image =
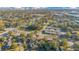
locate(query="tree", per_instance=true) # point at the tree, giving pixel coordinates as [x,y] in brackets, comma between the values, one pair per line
[2,24]
[65,44]
[78,33]
[68,34]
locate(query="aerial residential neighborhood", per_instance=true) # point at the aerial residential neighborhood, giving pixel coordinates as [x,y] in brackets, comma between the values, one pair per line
[39,29]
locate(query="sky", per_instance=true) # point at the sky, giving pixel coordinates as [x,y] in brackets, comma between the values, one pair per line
[39,3]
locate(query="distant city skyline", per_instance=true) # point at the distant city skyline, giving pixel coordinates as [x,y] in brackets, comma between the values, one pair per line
[39,8]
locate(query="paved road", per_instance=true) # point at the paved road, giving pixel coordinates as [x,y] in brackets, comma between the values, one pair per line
[7,30]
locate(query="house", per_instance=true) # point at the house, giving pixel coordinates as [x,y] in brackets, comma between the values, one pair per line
[50,30]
